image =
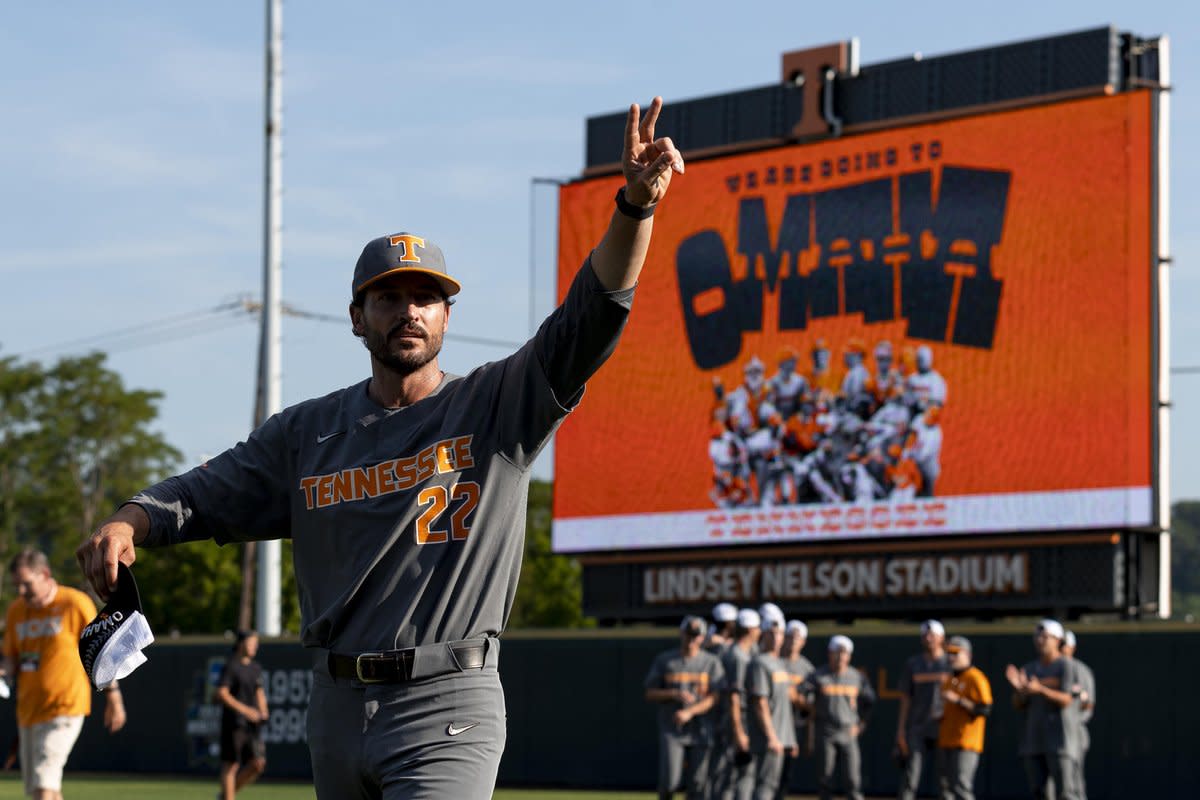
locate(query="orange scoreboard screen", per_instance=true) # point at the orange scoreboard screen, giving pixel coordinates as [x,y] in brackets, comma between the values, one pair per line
[938,329]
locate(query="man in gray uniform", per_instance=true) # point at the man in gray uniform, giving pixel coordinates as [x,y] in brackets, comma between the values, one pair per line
[772,727]
[733,778]
[404,496]
[1046,691]
[684,683]
[840,699]
[799,668]
[921,707]
[1086,706]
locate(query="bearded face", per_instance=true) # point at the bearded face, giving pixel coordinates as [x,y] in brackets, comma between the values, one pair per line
[402,322]
[403,347]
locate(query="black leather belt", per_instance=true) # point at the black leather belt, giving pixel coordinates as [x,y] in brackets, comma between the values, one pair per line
[396,666]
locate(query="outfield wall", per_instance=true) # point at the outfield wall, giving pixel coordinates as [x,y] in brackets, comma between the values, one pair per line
[577,718]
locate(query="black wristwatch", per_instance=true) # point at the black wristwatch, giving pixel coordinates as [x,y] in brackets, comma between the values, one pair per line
[632,211]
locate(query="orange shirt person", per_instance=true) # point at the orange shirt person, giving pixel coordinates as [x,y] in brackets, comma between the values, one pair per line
[967,702]
[41,653]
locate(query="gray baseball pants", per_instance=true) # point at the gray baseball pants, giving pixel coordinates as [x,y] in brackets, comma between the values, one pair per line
[682,764]
[1081,779]
[791,765]
[920,752]
[1053,769]
[768,768]
[422,740]
[830,751]
[956,773]
[734,779]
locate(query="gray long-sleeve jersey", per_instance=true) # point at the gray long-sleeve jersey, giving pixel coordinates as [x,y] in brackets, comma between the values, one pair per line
[840,701]
[408,524]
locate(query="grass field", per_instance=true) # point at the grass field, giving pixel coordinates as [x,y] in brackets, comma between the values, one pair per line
[97,787]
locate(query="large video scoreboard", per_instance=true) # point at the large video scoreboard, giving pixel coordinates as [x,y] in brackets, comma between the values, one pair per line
[914,366]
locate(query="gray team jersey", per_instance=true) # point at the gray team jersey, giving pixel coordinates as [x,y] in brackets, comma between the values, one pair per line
[1086,683]
[799,668]
[1049,729]
[702,674]
[408,524]
[769,678]
[921,681]
[839,701]
[1087,688]
[736,663]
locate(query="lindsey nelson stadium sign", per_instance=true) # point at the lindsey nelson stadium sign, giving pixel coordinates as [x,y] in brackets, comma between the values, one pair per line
[1078,571]
[959,575]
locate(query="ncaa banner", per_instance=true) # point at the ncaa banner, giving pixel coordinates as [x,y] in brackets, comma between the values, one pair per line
[939,329]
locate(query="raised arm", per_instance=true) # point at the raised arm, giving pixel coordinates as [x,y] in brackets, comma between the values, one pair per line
[647,164]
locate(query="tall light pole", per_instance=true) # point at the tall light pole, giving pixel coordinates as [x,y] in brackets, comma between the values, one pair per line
[267,615]
[533,184]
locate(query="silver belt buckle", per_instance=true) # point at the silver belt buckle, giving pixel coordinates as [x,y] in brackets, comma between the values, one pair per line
[358,667]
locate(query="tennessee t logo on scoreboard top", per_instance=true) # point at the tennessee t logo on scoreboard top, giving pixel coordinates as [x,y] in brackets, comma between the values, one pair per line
[883,248]
[408,244]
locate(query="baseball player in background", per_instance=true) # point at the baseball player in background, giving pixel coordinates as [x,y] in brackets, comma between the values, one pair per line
[769,611]
[41,653]
[967,703]
[733,778]
[1046,691]
[921,707]
[243,713]
[840,699]
[772,727]
[404,496]
[684,683]
[799,668]
[721,632]
[1087,705]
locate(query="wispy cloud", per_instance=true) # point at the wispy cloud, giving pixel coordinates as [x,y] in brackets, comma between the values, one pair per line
[520,68]
[103,255]
[207,73]
[123,157]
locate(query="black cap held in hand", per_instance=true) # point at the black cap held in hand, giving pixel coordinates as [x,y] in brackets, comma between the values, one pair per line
[121,605]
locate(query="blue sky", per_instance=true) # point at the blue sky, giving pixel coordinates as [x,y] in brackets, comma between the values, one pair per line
[131,152]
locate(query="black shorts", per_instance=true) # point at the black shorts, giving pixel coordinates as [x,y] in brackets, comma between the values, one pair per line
[242,745]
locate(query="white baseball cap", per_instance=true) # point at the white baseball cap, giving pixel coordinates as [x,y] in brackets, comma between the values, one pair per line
[772,615]
[724,612]
[1052,627]
[932,625]
[1069,638]
[841,642]
[797,628]
[693,624]
[748,618]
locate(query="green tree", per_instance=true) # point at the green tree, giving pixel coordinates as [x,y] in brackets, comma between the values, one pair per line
[550,592]
[196,588]
[17,385]
[74,444]
[91,448]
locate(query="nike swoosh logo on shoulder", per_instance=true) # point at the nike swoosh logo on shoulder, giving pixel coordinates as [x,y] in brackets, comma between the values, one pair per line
[324,437]
[454,730]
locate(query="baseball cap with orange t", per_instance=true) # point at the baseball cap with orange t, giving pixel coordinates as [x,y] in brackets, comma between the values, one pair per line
[401,254]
